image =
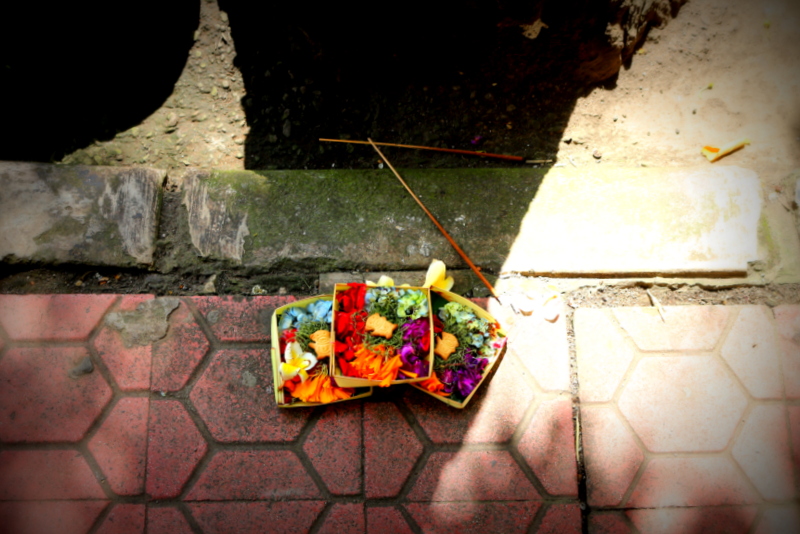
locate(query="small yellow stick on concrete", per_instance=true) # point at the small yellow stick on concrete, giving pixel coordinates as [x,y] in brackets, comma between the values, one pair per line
[657,305]
[713,153]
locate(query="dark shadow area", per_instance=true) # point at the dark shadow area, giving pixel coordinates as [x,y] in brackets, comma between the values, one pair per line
[457,74]
[74,72]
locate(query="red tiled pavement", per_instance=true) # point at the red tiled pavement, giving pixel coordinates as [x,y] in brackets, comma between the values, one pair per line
[608,523]
[690,424]
[561,519]
[260,475]
[491,417]
[283,517]
[174,448]
[124,519]
[240,319]
[382,519]
[52,317]
[184,436]
[38,474]
[733,519]
[390,450]
[788,323]
[39,517]
[334,448]
[546,448]
[39,402]
[477,518]
[472,476]
[166,520]
[344,518]
[119,447]
[176,356]
[235,399]
[130,366]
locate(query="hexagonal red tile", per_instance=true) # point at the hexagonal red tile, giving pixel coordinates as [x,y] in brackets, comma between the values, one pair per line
[334,448]
[166,520]
[790,365]
[52,317]
[762,451]
[381,519]
[794,429]
[472,476]
[344,518]
[238,318]
[787,316]
[611,455]
[733,519]
[283,517]
[235,398]
[751,349]
[548,446]
[124,519]
[697,481]
[36,517]
[130,366]
[174,448]
[491,416]
[682,403]
[120,446]
[474,518]
[561,519]
[253,475]
[695,328]
[40,402]
[603,354]
[542,348]
[40,475]
[779,519]
[390,450]
[176,356]
[609,523]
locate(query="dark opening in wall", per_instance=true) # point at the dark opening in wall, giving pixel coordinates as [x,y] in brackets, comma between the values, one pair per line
[495,75]
[73,72]
[457,74]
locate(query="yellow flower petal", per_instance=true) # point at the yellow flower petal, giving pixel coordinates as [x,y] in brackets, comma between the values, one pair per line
[446,284]
[436,276]
[382,281]
[385,281]
[297,362]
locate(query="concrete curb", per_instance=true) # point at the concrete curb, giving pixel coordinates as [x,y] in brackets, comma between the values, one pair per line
[704,223]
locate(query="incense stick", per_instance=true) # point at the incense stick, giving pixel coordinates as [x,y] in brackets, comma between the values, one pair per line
[439,226]
[418,147]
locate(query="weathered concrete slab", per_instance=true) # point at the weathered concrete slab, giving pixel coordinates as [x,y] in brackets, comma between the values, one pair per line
[339,220]
[78,214]
[626,221]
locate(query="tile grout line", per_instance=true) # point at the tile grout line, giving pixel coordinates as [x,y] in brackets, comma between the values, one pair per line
[583,499]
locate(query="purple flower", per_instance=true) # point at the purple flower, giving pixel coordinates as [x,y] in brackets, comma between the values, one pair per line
[416,329]
[412,361]
[465,377]
[467,380]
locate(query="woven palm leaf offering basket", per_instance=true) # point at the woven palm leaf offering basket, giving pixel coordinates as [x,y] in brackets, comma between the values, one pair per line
[468,344]
[301,356]
[382,334]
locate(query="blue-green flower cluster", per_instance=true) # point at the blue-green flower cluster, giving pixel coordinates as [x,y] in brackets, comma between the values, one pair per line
[396,303]
[468,327]
[320,311]
[411,304]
